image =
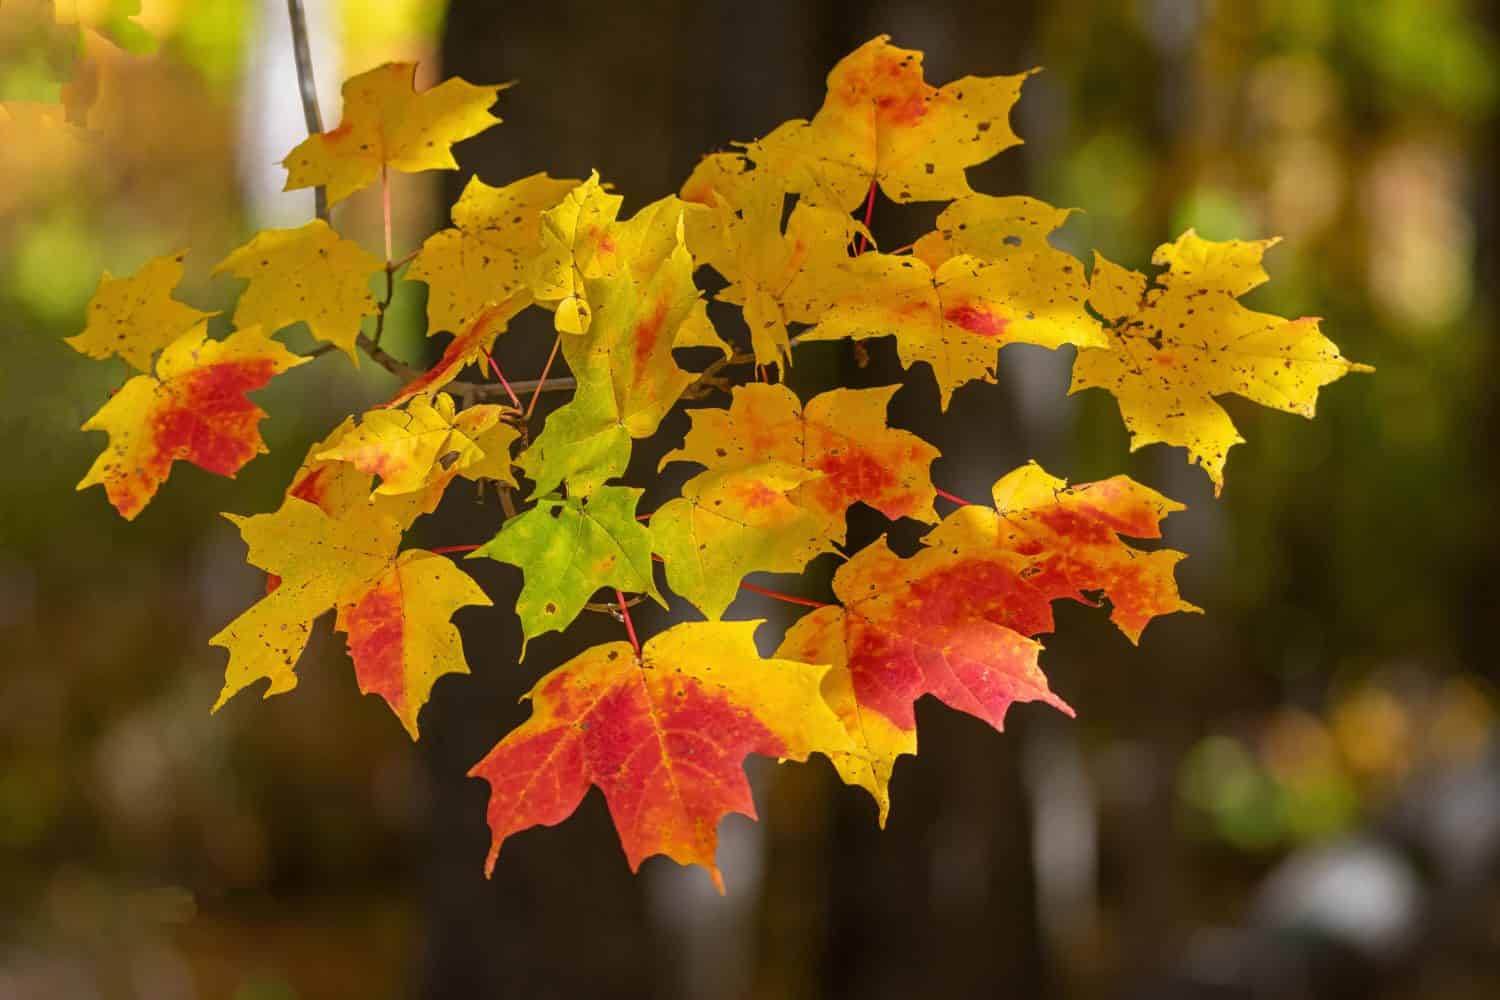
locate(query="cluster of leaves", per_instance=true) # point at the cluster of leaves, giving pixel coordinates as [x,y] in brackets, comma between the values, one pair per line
[662,726]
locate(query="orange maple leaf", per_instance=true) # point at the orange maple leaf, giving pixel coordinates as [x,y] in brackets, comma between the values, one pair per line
[955,620]
[662,733]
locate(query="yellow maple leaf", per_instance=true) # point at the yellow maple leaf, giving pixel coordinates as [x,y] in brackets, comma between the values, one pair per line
[410,447]
[730,523]
[487,255]
[334,487]
[575,245]
[400,630]
[386,123]
[310,274]
[582,240]
[841,438]
[1172,348]
[135,317]
[883,123]
[320,561]
[194,409]
[337,472]
[955,317]
[493,431]
[776,277]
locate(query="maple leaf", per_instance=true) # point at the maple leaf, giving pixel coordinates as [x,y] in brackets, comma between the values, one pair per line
[662,735]
[840,435]
[320,561]
[401,637]
[386,124]
[469,347]
[883,123]
[955,620]
[491,429]
[336,488]
[776,277]
[574,236]
[1045,540]
[1042,290]
[337,473]
[193,409]
[954,318]
[408,448]
[486,258]
[730,523]
[310,274]
[395,609]
[135,317]
[479,448]
[581,240]
[627,379]
[895,640]
[583,443]
[567,549]
[1174,347]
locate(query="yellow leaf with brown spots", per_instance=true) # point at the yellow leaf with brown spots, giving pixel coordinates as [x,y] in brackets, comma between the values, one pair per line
[576,244]
[135,317]
[954,318]
[409,448]
[627,379]
[386,124]
[306,275]
[487,256]
[728,524]
[776,277]
[1175,346]
[334,487]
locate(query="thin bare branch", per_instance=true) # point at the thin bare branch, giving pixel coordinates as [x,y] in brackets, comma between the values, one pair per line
[302,53]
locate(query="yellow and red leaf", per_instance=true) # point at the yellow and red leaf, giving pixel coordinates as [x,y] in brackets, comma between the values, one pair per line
[883,123]
[840,437]
[662,734]
[956,619]
[401,637]
[194,410]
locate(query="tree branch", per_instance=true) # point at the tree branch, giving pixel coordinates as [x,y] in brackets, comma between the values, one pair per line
[469,392]
[302,54]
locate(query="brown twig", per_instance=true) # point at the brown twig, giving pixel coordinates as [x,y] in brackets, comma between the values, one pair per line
[302,54]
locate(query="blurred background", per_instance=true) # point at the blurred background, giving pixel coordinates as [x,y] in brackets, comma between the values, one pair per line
[1296,794]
